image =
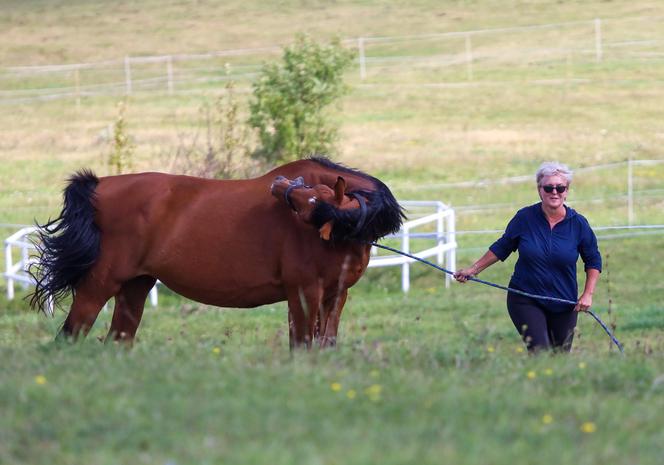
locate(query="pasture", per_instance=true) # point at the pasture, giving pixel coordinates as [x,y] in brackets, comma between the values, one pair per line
[434,376]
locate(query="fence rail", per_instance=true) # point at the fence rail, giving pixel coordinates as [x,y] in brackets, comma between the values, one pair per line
[24,241]
[444,236]
[592,41]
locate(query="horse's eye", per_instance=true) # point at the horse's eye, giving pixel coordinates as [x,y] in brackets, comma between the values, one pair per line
[312,200]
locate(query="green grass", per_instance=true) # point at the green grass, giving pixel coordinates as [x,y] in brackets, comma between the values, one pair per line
[435,376]
[438,374]
[424,378]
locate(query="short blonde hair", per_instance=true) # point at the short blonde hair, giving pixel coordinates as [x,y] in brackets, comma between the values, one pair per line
[552,168]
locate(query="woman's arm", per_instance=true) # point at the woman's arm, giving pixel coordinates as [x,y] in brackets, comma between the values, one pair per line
[488,259]
[586,299]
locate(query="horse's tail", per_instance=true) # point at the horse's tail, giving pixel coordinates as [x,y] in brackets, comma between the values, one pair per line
[69,245]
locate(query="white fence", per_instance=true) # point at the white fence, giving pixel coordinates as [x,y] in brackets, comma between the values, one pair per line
[628,194]
[444,236]
[18,271]
[593,40]
[23,241]
[20,246]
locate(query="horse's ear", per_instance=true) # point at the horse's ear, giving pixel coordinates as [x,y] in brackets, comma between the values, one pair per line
[339,190]
[326,230]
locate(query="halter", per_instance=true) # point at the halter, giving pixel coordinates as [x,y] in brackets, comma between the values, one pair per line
[297,183]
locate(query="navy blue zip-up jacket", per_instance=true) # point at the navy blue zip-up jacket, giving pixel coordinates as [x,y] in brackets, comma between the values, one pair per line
[547,257]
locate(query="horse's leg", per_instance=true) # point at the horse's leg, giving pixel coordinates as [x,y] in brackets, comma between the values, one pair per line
[129,304]
[332,308]
[303,307]
[89,298]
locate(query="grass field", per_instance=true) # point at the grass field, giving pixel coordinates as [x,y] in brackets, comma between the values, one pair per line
[435,376]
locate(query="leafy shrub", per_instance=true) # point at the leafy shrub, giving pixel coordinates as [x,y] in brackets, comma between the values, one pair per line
[290,99]
[121,157]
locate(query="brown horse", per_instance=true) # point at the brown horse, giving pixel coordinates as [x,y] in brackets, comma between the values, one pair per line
[299,233]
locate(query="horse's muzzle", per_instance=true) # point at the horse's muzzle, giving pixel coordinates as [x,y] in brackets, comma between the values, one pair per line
[278,180]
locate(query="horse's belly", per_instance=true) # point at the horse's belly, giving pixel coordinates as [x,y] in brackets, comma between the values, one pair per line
[224,295]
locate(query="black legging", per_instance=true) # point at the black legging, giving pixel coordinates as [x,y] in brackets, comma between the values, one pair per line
[540,328]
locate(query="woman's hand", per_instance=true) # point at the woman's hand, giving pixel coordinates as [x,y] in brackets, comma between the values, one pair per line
[464,274]
[584,303]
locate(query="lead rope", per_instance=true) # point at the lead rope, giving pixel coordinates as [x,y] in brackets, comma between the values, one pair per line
[534,296]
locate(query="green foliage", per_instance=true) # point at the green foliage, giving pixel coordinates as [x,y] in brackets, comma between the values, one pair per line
[122,154]
[290,99]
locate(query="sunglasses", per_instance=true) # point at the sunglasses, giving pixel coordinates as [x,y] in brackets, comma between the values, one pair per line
[560,188]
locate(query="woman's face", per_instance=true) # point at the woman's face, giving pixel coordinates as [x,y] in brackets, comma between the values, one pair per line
[553,199]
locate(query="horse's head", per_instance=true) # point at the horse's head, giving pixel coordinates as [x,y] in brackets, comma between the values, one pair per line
[304,199]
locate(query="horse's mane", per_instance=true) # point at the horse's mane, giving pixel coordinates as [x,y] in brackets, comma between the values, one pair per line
[383,214]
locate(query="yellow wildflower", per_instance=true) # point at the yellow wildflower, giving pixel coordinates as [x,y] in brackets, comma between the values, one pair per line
[547,419]
[351,394]
[374,389]
[588,427]
[216,350]
[490,349]
[548,372]
[336,387]
[519,350]
[40,379]
[532,374]
[582,365]
[373,392]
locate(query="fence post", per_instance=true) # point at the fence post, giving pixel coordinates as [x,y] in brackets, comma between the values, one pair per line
[405,268]
[469,58]
[451,239]
[8,267]
[598,40]
[363,60]
[25,262]
[154,298]
[169,74]
[77,83]
[630,192]
[440,230]
[127,70]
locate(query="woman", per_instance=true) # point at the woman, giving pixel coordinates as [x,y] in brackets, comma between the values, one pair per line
[549,236]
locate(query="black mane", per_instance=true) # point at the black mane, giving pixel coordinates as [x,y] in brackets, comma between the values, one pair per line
[384,215]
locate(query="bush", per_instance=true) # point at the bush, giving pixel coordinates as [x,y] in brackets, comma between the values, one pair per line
[121,158]
[290,99]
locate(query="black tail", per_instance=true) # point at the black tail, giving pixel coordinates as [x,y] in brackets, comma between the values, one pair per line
[69,244]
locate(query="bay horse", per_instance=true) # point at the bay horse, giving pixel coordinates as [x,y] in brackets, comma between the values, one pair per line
[299,233]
